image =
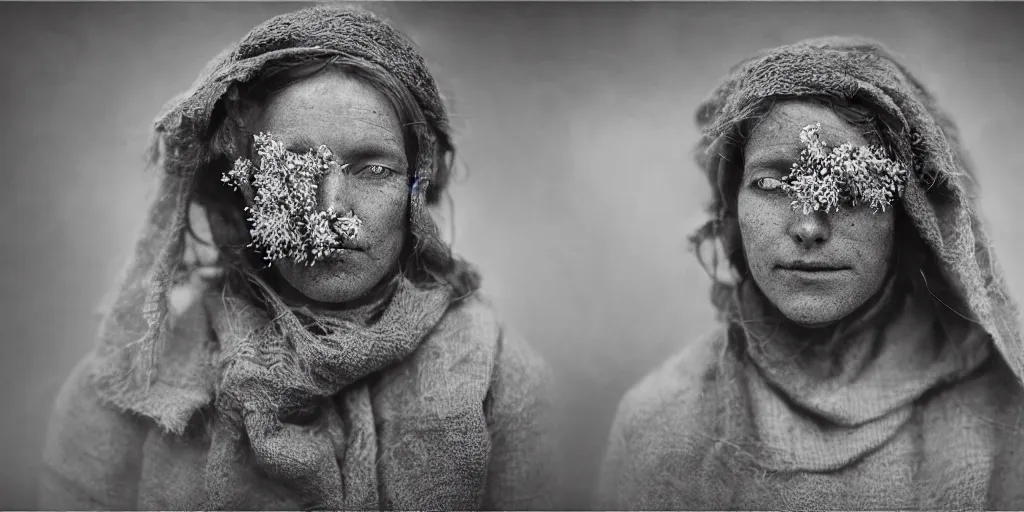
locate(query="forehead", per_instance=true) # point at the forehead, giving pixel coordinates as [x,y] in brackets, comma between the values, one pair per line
[777,135]
[333,108]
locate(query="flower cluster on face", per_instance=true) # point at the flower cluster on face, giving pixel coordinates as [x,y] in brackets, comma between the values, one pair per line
[284,218]
[822,179]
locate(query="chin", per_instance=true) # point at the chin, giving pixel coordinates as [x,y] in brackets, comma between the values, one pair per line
[328,295]
[325,283]
[810,318]
[813,310]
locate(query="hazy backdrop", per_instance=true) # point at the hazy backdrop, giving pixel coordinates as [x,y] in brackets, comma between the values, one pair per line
[575,128]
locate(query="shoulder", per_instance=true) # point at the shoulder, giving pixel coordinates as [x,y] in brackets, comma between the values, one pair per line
[472,324]
[186,375]
[92,452]
[464,342]
[81,403]
[87,436]
[470,321]
[471,355]
[522,380]
[666,427]
[677,391]
[466,335]
[513,368]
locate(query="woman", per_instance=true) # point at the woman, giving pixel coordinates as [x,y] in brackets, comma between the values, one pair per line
[339,357]
[869,357]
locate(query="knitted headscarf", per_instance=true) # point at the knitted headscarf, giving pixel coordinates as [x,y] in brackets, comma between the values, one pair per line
[136,326]
[270,361]
[899,405]
[938,198]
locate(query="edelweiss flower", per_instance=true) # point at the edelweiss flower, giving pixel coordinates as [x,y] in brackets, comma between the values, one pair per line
[822,179]
[285,220]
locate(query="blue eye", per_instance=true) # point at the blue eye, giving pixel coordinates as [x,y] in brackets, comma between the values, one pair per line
[768,184]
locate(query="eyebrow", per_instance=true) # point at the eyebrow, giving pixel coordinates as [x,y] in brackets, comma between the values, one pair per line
[371,149]
[362,149]
[772,161]
[300,144]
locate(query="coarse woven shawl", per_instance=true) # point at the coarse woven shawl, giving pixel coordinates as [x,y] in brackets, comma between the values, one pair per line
[693,433]
[939,201]
[269,364]
[938,197]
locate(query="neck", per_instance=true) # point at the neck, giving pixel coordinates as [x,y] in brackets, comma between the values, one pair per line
[362,308]
[871,363]
[821,349]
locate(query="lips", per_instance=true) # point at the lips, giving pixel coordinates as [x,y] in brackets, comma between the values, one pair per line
[341,253]
[812,266]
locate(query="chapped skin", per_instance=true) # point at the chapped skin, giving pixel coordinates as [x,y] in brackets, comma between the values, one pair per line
[361,128]
[856,241]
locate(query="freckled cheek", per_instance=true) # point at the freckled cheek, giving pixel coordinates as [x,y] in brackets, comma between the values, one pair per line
[761,228]
[872,235]
[383,213]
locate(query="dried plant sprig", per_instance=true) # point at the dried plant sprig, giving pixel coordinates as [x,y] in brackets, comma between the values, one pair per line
[285,220]
[823,180]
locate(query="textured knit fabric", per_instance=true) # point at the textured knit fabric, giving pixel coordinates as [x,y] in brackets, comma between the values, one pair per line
[238,400]
[908,403]
[459,424]
[267,376]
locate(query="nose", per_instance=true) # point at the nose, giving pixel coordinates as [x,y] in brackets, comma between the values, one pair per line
[811,229]
[334,192]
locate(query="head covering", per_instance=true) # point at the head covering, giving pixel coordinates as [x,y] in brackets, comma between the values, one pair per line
[270,363]
[898,406]
[137,325]
[939,196]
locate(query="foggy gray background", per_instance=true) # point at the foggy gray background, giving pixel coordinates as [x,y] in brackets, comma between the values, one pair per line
[577,191]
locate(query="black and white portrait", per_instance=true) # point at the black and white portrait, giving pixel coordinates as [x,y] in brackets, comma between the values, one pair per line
[513,255]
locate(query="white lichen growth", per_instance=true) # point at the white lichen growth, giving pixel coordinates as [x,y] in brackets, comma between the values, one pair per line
[284,216]
[823,179]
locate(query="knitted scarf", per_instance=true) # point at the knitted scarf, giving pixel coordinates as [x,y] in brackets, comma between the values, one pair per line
[275,370]
[289,385]
[884,363]
[901,405]
[939,201]
[858,376]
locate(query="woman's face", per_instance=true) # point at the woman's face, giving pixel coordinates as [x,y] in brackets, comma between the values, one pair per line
[358,124]
[816,268]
